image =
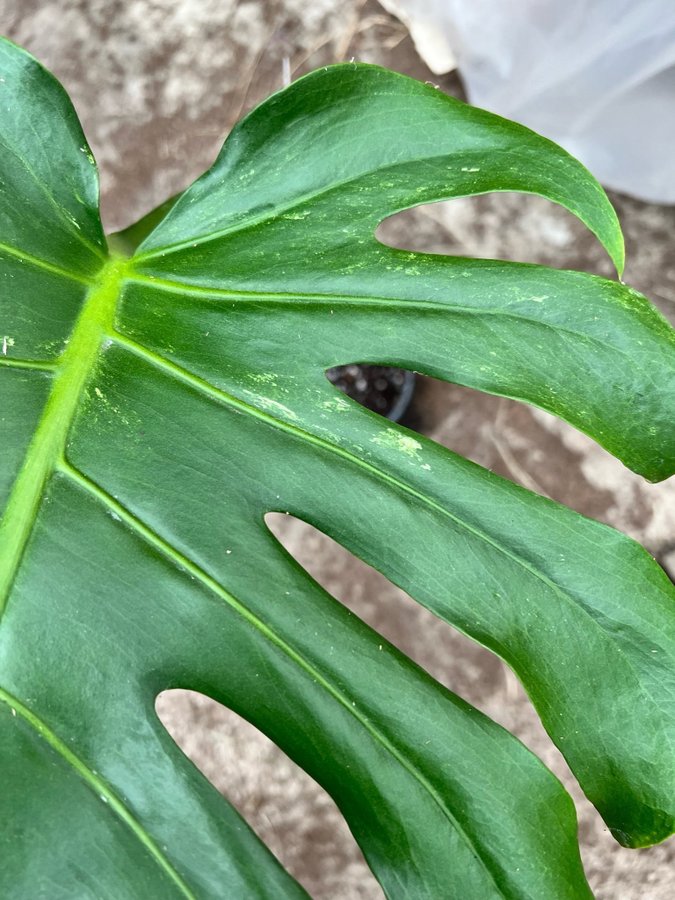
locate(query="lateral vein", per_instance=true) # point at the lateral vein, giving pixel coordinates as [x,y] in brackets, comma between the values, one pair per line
[35,364]
[101,788]
[38,263]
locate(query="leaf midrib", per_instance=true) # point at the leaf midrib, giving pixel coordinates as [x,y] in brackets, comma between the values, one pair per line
[49,439]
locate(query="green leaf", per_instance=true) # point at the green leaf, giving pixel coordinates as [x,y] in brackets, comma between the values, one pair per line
[155,409]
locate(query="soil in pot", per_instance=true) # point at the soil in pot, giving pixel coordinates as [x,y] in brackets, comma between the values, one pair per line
[385,390]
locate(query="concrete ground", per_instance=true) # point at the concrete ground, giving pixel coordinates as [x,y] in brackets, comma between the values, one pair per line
[158,83]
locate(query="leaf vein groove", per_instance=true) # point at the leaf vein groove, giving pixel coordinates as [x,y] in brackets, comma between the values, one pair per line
[35,364]
[400,305]
[38,263]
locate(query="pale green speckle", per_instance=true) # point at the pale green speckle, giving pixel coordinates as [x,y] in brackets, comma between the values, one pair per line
[263,377]
[336,404]
[271,406]
[397,441]
[87,152]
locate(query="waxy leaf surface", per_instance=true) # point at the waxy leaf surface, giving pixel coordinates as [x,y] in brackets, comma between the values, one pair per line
[156,408]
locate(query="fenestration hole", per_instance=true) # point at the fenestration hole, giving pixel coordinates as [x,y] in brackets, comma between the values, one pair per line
[287,809]
[501,225]
[382,389]
[451,658]
[470,671]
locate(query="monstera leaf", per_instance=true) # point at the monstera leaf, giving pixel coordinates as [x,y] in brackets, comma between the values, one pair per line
[155,408]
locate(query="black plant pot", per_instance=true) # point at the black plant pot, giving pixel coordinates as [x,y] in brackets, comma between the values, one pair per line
[385,390]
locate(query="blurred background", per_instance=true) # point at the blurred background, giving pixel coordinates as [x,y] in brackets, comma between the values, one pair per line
[158,84]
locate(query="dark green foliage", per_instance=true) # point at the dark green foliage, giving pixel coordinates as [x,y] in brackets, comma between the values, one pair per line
[155,408]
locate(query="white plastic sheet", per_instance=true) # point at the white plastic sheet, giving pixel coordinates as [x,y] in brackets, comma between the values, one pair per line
[597,76]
